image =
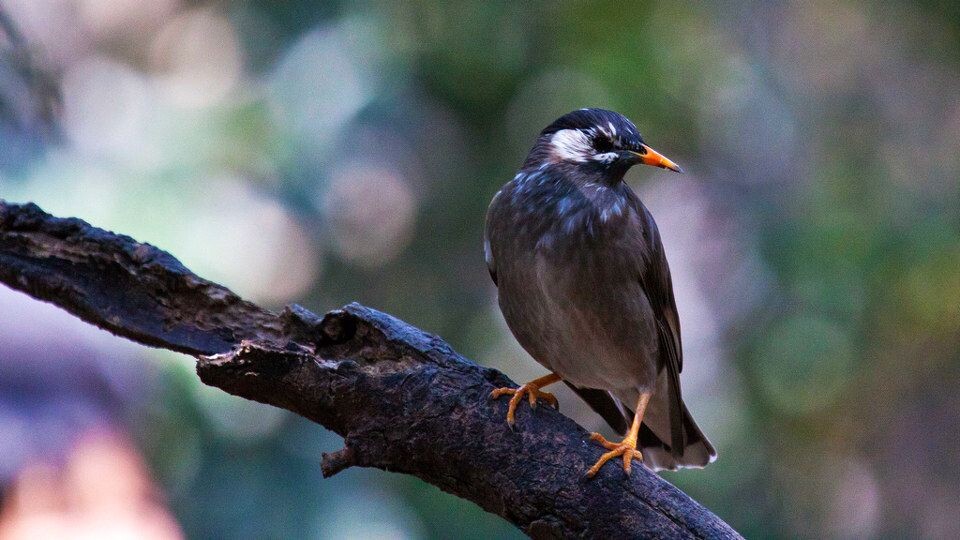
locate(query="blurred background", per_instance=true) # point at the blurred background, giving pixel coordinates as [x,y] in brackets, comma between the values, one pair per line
[322,153]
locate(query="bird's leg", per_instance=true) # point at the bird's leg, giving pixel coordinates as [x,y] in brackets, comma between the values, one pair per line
[532,390]
[628,446]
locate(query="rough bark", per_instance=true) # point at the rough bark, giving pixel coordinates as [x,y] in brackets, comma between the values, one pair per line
[402,399]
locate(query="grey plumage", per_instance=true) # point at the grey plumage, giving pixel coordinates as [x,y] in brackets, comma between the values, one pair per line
[584,285]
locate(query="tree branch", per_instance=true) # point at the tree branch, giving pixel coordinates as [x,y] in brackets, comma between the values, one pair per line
[402,399]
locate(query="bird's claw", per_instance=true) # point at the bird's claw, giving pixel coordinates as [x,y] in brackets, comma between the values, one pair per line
[627,449]
[533,393]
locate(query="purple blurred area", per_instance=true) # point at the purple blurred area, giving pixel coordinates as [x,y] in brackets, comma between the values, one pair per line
[59,379]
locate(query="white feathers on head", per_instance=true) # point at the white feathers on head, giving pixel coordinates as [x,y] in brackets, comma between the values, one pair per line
[577,145]
[571,145]
[607,157]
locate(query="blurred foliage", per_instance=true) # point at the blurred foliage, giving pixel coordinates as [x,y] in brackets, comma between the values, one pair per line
[325,153]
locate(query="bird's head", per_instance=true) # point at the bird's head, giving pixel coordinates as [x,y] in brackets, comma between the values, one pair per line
[594,142]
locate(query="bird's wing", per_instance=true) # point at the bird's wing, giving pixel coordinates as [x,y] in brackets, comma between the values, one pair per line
[658,285]
[604,404]
[487,251]
[488,256]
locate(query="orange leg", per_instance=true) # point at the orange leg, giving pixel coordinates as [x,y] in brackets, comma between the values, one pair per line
[532,390]
[627,448]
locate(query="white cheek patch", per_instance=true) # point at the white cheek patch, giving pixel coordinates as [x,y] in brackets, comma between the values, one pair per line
[608,157]
[571,145]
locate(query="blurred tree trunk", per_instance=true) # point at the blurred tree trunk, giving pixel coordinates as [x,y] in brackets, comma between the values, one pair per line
[29,100]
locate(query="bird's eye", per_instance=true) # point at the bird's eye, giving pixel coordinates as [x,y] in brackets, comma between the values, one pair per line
[602,145]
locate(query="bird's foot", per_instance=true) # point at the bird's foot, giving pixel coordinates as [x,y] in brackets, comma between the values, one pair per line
[627,448]
[533,392]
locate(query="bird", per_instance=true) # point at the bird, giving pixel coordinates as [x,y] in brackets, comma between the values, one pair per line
[584,286]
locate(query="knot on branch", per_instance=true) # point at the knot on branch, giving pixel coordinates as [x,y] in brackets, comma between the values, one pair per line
[304,326]
[334,462]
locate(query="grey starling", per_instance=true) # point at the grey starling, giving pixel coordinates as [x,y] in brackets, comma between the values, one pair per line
[584,286]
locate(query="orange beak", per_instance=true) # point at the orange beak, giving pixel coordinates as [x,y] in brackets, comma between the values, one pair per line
[649,156]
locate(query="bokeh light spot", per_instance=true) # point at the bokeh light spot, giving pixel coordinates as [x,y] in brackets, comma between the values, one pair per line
[370,212]
[803,364]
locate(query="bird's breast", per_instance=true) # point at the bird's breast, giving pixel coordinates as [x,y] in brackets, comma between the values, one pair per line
[568,284]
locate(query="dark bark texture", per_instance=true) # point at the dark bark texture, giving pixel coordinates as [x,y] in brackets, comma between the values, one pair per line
[402,399]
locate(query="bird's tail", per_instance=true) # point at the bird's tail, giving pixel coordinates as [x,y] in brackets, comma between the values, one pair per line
[658,454]
[669,437]
[657,430]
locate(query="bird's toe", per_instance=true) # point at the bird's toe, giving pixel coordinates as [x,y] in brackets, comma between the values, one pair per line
[626,449]
[532,392]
